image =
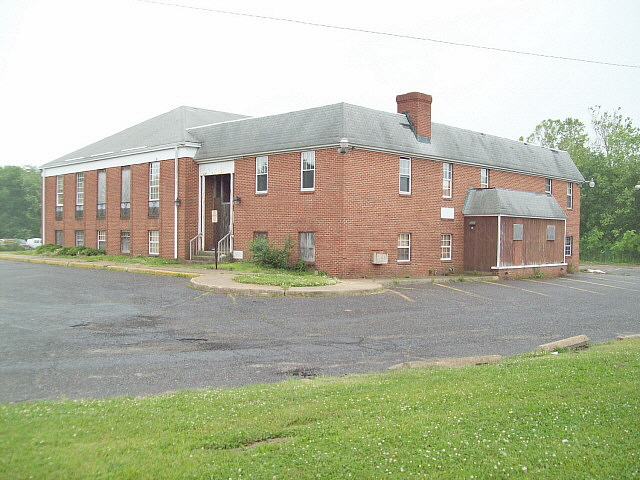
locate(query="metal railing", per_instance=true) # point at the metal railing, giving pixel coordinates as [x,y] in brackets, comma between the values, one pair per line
[198,245]
[224,246]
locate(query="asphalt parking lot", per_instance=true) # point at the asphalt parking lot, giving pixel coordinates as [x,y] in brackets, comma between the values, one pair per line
[72,332]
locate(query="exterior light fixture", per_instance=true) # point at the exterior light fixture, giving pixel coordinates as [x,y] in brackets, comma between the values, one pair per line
[344,145]
[177,202]
[237,200]
[592,183]
[637,187]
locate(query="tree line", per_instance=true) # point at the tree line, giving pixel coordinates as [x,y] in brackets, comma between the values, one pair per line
[609,154]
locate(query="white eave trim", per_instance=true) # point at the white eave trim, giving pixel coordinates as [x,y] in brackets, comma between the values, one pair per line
[124,157]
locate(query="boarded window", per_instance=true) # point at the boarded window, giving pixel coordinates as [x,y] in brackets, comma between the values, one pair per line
[518,231]
[551,232]
[308,246]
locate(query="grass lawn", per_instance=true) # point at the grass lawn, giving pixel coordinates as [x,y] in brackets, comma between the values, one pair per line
[565,416]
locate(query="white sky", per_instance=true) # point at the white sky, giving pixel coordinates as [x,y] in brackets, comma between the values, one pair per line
[75,71]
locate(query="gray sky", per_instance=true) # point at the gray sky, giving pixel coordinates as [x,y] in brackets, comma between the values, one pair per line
[75,71]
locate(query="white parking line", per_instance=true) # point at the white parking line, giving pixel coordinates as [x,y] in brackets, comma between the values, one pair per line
[517,288]
[565,286]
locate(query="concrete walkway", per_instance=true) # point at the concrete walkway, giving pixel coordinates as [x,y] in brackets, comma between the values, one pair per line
[222,281]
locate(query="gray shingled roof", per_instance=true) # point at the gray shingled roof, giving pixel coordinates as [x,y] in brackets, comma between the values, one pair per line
[166,129]
[512,203]
[377,130]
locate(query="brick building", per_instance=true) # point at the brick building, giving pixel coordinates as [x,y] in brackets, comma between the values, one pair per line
[361,192]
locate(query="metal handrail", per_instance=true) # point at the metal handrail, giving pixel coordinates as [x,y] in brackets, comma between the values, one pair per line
[224,246]
[198,236]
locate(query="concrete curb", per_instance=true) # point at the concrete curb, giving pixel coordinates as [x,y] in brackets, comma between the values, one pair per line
[627,337]
[572,342]
[450,362]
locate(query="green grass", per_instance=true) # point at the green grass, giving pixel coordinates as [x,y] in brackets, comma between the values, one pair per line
[125,259]
[286,279]
[565,416]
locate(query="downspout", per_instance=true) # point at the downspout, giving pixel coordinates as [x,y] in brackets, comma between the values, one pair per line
[564,243]
[175,203]
[499,241]
[43,209]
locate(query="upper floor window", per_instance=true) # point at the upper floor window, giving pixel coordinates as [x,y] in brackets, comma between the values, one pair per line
[569,195]
[447,174]
[262,174]
[154,189]
[102,194]
[405,175]
[308,170]
[125,195]
[484,178]
[547,185]
[79,194]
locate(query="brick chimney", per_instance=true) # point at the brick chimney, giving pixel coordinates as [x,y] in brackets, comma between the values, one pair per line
[417,106]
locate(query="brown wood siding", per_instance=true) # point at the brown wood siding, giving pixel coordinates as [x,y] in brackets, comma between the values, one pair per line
[534,248]
[480,243]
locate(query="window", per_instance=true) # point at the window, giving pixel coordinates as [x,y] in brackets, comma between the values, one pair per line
[102,239]
[102,194]
[58,237]
[308,170]
[568,246]
[125,196]
[518,231]
[154,242]
[79,195]
[125,241]
[569,195]
[308,246]
[154,189]
[262,174]
[445,246]
[484,178]
[404,247]
[551,232]
[405,175]
[446,180]
[547,185]
[79,238]
[59,196]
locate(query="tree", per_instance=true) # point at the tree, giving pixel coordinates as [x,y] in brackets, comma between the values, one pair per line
[612,158]
[20,200]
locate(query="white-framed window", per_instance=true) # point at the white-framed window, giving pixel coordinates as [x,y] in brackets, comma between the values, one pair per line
[568,246]
[404,247]
[125,241]
[125,192]
[484,178]
[79,238]
[547,185]
[79,194]
[59,196]
[405,175]
[308,246]
[447,174]
[101,209]
[445,246]
[154,242]
[569,195]
[308,170]
[551,232]
[102,239]
[262,174]
[154,189]
[59,234]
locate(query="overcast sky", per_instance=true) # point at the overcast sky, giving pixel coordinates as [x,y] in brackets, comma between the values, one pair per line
[75,71]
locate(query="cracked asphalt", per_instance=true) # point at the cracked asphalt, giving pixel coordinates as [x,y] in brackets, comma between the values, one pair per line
[73,332]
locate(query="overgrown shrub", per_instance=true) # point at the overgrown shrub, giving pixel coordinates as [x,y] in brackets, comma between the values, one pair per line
[47,248]
[268,255]
[80,251]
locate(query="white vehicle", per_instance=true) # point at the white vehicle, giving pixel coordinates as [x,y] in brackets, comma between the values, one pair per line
[34,242]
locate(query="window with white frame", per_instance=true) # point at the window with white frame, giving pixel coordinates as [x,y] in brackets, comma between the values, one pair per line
[262,174]
[405,175]
[59,234]
[445,246]
[154,189]
[308,246]
[568,246]
[308,170]
[101,209]
[102,239]
[59,196]
[79,194]
[79,238]
[484,178]
[447,173]
[547,185]
[404,247]
[125,192]
[569,195]
[154,242]
[125,241]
